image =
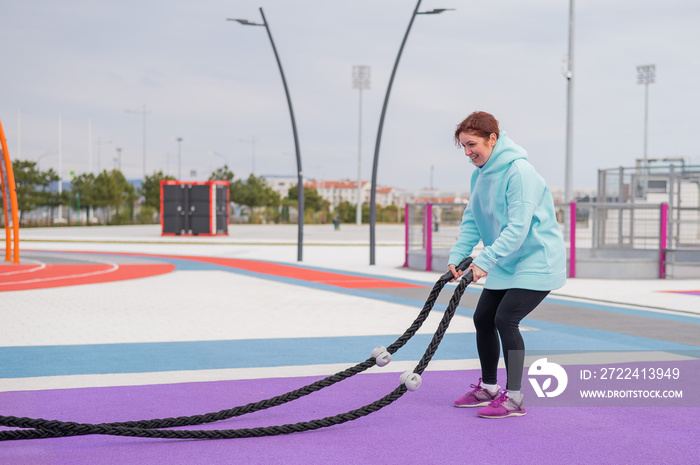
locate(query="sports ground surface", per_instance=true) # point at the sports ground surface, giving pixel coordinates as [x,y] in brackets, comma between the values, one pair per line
[116,324]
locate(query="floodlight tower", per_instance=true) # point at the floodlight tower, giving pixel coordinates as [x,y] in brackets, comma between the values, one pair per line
[646,74]
[360,81]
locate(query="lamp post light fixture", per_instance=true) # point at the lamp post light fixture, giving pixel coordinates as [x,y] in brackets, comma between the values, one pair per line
[360,81]
[179,158]
[119,158]
[646,74]
[373,195]
[300,177]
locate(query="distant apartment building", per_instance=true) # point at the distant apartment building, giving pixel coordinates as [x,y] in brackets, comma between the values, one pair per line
[338,191]
[281,184]
[434,196]
[346,190]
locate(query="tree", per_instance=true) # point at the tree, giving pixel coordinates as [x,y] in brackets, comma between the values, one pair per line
[83,187]
[31,185]
[221,174]
[390,214]
[54,199]
[315,206]
[347,211]
[113,191]
[254,192]
[312,200]
[150,189]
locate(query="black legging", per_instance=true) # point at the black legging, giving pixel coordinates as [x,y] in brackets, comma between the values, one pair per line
[500,312]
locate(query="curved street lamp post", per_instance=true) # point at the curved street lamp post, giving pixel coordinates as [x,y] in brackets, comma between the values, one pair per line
[300,181]
[373,195]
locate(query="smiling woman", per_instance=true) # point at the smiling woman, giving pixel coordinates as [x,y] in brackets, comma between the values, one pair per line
[512,212]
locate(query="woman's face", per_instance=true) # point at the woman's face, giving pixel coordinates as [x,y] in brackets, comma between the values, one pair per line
[477,148]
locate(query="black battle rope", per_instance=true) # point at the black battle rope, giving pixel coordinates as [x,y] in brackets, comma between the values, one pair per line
[145,428]
[263,404]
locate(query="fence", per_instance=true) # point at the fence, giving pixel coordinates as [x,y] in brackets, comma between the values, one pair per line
[431,230]
[607,239]
[615,225]
[70,216]
[628,239]
[645,186]
[643,223]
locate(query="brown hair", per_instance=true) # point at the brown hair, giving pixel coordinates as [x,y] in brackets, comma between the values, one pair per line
[478,123]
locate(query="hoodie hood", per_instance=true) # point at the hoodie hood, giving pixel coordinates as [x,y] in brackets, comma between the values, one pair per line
[504,153]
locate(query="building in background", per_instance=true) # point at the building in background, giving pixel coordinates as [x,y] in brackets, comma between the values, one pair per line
[341,191]
[281,184]
[346,190]
[338,191]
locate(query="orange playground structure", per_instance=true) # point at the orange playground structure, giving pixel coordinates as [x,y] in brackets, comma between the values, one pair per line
[9,197]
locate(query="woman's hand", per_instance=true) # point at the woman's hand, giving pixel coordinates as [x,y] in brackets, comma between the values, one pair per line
[477,272]
[455,273]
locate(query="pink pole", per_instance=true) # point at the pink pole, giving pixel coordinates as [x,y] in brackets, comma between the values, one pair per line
[572,240]
[663,240]
[405,220]
[428,237]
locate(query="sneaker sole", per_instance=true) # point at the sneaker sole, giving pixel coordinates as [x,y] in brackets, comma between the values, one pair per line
[511,414]
[482,404]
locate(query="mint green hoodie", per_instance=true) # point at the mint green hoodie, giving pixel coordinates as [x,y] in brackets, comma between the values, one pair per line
[512,212]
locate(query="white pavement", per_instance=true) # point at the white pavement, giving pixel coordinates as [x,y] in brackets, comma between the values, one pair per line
[344,250]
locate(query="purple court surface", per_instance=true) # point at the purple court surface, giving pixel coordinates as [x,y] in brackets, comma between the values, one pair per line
[420,427]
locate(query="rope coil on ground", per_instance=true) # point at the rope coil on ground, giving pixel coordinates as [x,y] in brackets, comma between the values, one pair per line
[152,428]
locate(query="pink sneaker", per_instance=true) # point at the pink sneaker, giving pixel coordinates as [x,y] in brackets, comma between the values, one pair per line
[477,397]
[503,407]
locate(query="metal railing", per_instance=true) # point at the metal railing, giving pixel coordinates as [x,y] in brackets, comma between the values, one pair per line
[604,226]
[431,227]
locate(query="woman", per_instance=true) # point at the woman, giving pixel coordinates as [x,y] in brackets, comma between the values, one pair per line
[512,212]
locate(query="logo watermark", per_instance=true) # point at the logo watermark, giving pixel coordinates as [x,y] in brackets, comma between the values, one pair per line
[551,370]
[612,378]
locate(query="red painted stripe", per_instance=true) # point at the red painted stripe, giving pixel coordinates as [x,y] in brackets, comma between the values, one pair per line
[65,275]
[55,270]
[286,271]
[276,269]
[683,292]
[305,274]
[11,267]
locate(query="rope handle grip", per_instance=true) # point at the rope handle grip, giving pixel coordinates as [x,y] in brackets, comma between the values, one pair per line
[461,267]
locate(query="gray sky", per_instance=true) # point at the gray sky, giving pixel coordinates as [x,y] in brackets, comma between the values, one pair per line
[216,84]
